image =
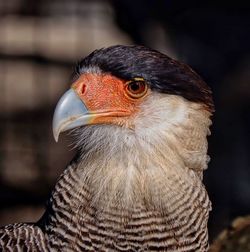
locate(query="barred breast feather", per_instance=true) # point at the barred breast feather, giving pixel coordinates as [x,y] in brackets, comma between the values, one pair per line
[22,237]
[126,193]
[73,224]
[140,122]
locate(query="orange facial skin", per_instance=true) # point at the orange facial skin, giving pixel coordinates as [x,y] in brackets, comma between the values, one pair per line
[106,98]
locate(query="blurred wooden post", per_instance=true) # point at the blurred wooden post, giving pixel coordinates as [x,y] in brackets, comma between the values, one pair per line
[234,239]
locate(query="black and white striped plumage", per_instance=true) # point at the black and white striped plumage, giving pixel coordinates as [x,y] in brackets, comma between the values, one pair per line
[137,185]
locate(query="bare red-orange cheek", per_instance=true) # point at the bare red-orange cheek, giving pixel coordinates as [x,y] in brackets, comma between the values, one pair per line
[105,96]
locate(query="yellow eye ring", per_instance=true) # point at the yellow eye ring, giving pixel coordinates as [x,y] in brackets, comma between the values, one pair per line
[136,88]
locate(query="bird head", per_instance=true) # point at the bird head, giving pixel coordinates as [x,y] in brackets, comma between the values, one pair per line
[120,85]
[132,101]
[100,98]
[140,119]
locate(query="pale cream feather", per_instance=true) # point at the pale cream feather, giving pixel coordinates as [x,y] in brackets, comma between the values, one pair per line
[160,157]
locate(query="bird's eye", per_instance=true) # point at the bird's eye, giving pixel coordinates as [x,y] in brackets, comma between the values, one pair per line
[136,88]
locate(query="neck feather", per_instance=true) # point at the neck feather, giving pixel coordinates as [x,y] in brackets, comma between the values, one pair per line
[151,165]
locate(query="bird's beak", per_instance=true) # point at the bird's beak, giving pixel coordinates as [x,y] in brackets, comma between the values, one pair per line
[70,113]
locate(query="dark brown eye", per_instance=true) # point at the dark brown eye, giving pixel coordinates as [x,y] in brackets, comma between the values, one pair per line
[136,88]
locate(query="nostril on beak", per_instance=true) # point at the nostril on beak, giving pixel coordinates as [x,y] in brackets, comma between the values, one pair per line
[83,89]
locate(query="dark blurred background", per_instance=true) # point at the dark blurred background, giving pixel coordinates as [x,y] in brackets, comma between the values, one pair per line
[41,40]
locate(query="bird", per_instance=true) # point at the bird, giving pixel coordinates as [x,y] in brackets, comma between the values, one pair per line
[139,121]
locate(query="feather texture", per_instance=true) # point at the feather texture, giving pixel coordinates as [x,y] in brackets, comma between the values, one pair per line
[136,187]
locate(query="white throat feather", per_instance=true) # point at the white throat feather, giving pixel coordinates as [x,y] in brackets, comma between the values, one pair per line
[163,156]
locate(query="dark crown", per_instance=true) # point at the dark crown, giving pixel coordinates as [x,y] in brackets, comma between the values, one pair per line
[162,73]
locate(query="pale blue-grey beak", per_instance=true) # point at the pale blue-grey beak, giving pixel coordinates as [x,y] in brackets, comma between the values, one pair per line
[70,112]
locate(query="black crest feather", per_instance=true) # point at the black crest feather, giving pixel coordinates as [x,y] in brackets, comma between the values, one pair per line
[162,73]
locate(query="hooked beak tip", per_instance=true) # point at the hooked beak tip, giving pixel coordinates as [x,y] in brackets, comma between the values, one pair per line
[56,130]
[56,136]
[68,113]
